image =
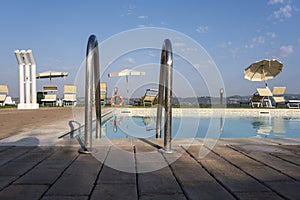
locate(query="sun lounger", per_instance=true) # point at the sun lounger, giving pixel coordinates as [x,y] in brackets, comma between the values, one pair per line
[103,93]
[150,96]
[278,97]
[2,99]
[9,102]
[49,98]
[266,93]
[69,99]
[69,95]
[293,104]
[3,94]
[257,100]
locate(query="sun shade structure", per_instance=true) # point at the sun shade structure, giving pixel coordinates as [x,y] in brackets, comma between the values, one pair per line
[126,72]
[263,70]
[51,74]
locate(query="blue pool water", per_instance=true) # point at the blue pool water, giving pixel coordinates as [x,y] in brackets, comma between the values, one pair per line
[210,127]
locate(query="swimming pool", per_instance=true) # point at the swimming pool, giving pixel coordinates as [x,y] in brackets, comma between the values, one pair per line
[201,127]
[128,126]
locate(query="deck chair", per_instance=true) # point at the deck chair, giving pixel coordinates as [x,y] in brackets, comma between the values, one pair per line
[278,97]
[3,94]
[150,96]
[49,95]
[257,100]
[293,103]
[266,93]
[49,98]
[70,95]
[103,93]
[9,102]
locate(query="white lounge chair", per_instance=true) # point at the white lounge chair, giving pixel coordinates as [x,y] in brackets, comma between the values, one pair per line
[9,102]
[3,94]
[278,97]
[103,93]
[293,103]
[49,98]
[2,99]
[266,93]
[261,98]
[70,95]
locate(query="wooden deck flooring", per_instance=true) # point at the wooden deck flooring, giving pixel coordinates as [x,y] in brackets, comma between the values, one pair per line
[134,169]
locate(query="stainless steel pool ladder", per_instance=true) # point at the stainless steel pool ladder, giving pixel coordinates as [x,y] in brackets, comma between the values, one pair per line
[92,67]
[165,90]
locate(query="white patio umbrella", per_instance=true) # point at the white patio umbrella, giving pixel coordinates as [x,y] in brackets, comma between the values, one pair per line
[51,74]
[126,73]
[263,70]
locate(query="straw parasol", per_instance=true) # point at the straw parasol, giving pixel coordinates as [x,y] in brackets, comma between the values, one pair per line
[51,74]
[263,70]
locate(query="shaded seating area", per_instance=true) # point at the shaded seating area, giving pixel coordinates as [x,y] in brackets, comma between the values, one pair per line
[49,95]
[279,99]
[264,98]
[70,92]
[103,93]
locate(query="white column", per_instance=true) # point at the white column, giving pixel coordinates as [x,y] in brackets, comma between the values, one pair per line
[25,59]
[27,78]
[33,76]
[21,77]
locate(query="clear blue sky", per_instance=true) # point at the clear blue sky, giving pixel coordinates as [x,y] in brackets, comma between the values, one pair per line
[234,33]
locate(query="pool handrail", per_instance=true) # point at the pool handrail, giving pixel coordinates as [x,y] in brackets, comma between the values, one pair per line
[92,67]
[165,86]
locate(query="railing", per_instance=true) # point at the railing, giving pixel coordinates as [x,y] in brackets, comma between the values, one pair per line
[165,90]
[92,67]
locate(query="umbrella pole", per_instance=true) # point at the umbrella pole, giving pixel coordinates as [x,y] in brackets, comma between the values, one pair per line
[127,91]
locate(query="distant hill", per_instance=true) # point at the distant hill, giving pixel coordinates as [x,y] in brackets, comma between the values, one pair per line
[204,101]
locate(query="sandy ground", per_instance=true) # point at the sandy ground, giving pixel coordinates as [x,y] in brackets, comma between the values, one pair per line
[14,121]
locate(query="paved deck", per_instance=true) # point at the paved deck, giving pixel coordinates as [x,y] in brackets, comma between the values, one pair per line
[232,169]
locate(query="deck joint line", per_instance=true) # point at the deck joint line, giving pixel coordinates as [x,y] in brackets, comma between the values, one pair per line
[63,171]
[20,176]
[261,182]
[285,160]
[98,175]
[211,174]
[265,164]
[176,178]
[136,173]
